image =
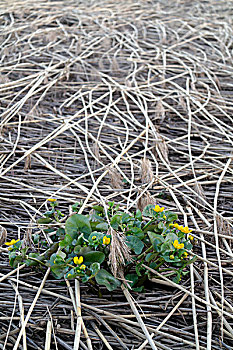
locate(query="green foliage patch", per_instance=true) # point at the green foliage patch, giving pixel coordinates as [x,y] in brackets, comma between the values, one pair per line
[82,245]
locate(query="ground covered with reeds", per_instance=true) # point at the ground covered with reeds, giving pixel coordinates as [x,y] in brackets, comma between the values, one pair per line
[127,102]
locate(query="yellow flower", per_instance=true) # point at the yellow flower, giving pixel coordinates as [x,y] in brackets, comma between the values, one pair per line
[180,228]
[178,245]
[78,260]
[164,217]
[13,241]
[93,237]
[171,257]
[106,240]
[157,209]
[191,237]
[176,225]
[69,275]
[51,200]
[54,261]
[186,229]
[82,267]
[185,254]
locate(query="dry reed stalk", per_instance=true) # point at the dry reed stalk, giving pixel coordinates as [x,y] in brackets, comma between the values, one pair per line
[119,253]
[139,319]
[84,90]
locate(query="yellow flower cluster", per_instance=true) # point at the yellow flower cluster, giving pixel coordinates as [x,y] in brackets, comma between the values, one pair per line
[178,245]
[13,241]
[181,228]
[157,209]
[78,260]
[106,240]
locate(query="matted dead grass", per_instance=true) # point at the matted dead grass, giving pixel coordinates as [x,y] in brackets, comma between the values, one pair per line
[128,101]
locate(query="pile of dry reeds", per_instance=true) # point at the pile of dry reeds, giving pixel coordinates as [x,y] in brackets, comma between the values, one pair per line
[127,101]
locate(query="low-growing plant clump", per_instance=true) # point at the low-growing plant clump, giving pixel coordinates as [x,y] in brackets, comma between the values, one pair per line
[83,245]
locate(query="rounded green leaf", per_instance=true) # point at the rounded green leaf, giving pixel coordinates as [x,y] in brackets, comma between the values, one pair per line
[135,244]
[77,223]
[105,278]
[102,226]
[94,257]
[156,240]
[148,211]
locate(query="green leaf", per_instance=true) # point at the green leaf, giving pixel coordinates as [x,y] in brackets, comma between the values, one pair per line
[150,256]
[60,232]
[137,232]
[132,279]
[49,213]
[171,216]
[66,241]
[125,218]
[106,279]
[188,245]
[138,215]
[95,267]
[102,226]
[148,211]
[44,220]
[161,225]
[177,278]
[166,247]
[36,238]
[84,250]
[115,221]
[31,262]
[98,208]
[77,249]
[77,223]
[75,206]
[135,244]
[171,236]
[138,289]
[61,254]
[14,259]
[85,278]
[149,227]
[156,240]
[138,268]
[59,271]
[94,257]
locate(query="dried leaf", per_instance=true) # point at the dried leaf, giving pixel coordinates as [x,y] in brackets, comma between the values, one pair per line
[27,164]
[200,193]
[3,235]
[162,146]
[115,178]
[160,112]
[147,174]
[144,200]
